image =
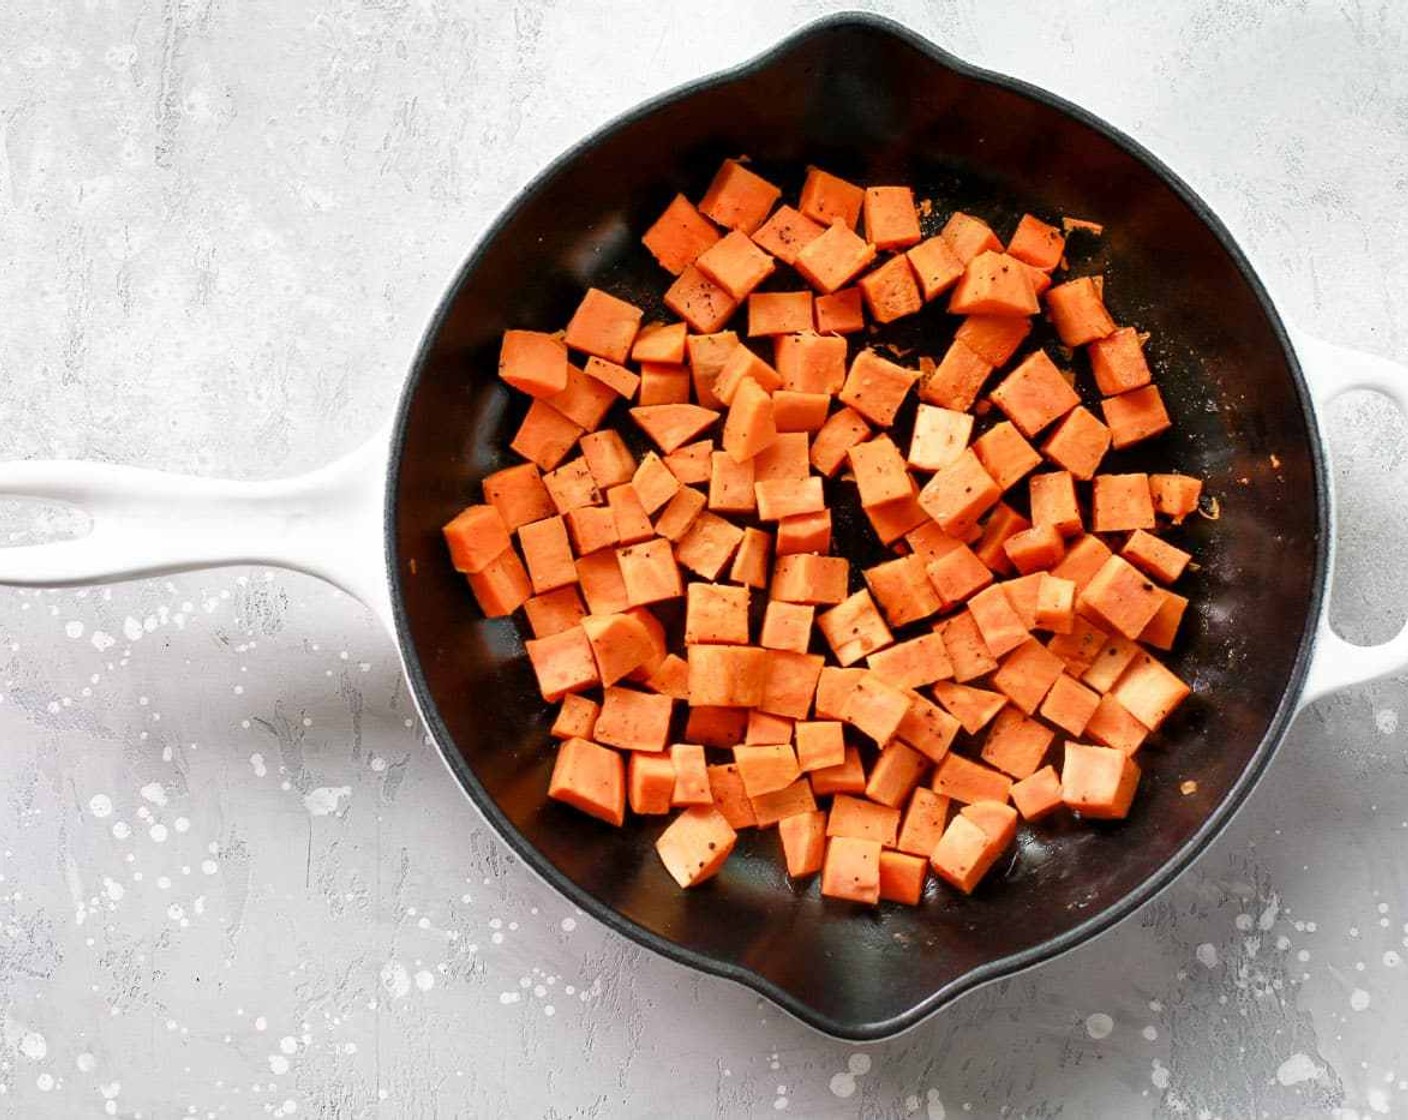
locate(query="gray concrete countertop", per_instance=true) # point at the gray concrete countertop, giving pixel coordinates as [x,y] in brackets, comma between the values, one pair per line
[235,879]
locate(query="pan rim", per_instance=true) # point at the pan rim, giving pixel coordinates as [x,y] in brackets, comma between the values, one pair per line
[1097,924]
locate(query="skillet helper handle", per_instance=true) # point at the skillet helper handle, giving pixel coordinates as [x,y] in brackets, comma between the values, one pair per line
[327,523]
[1331,371]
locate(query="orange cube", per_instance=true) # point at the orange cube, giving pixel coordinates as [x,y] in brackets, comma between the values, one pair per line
[790,682]
[617,378]
[572,486]
[923,822]
[662,384]
[740,365]
[902,877]
[1055,604]
[1016,744]
[1078,443]
[810,363]
[1079,648]
[562,662]
[1077,310]
[853,628]
[533,362]
[967,652]
[1069,705]
[774,313]
[1135,416]
[863,820]
[1000,626]
[621,644]
[693,462]
[1121,502]
[729,798]
[1024,593]
[880,471]
[1175,495]
[518,494]
[904,589]
[1037,549]
[1117,361]
[602,586]
[1155,557]
[974,708]
[799,412]
[476,537]
[584,400]
[708,544]
[787,233]
[940,436]
[1004,524]
[1114,657]
[957,575]
[831,260]
[994,338]
[828,198]
[774,807]
[731,484]
[1038,795]
[751,558]
[1149,691]
[1121,596]
[972,844]
[840,312]
[727,676]
[628,512]
[784,458]
[876,388]
[603,325]
[700,302]
[1163,627]
[820,744]
[891,291]
[1098,782]
[751,425]
[876,708]
[608,460]
[547,554]
[929,542]
[1005,455]
[590,778]
[764,727]
[1084,558]
[1036,243]
[677,516]
[670,678]
[842,431]
[955,382]
[847,778]
[968,236]
[803,837]
[833,688]
[1027,674]
[1111,725]
[708,354]
[766,768]
[713,726]
[735,264]
[927,728]
[1053,502]
[659,342]
[959,494]
[1035,395]
[650,783]
[649,572]
[671,426]
[679,235]
[891,220]
[545,436]
[805,578]
[696,844]
[634,721]
[852,870]
[893,519]
[994,284]
[966,781]
[738,198]
[895,774]
[787,626]
[936,266]
[716,613]
[787,497]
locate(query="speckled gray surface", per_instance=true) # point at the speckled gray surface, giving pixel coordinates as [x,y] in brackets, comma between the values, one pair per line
[234,878]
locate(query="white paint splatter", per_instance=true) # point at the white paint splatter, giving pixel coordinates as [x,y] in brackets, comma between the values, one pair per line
[568,924]
[181,824]
[1243,922]
[131,629]
[102,641]
[278,1063]
[1267,918]
[511,997]
[1150,1032]
[324,800]
[34,1046]
[122,830]
[288,1044]
[86,1063]
[843,1085]
[256,760]
[1159,1075]
[395,979]
[858,1064]
[1359,999]
[1378,1100]
[74,629]
[209,866]
[424,980]
[1207,954]
[154,792]
[1099,1025]
[1392,959]
[1297,1068]
[44,1082]
[100,805]
[1386,719]
[158,833]
[933,1107]
[113,889]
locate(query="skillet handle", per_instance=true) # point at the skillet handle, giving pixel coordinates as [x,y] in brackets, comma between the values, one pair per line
[1332,370]
[327,523]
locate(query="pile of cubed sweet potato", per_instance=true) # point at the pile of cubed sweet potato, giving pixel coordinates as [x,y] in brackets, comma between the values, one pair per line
[890,720]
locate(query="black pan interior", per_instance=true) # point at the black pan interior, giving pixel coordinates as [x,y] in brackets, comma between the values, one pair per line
[869,101]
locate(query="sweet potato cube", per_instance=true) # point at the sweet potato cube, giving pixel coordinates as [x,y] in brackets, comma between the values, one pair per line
[700,302]
[929,542]
[751,559]
[968,236]
[572,486]
[875,708]
[660,342]
[628,512]
[1077,310]
[787,626]
[904,590]
[774,807]
[1036,243]
[1079,648]
[787,233]
[518,494]
[617,378]
[1016,744]
[790,682]
[650,783]
[729,798]
[547,554]
[679,514]
[708,544]
[1113,658]
[603,325]
[994,284]
[927,728]
[533,362]
[662,384]
[843,430]
[750,425]
[967,850]
[876,387]
[1034,395]
[476,538]
[891,291]
[923,822]
[1027,674]
[620,643]
[590,528]
[828,198]
[1055,604]
[940,436]
[584,400]
[959,494]
[731,484]
[1037,549]
[716,613]
[1003,524]
[1078,444]
[994,338]
[727,676]
[1005,455]
[974,708]
[1111,725]
[968,653]
[936,267]
[764,728]
[1053,502]
[736,265]
[1155,557]
[840,312]
[833,259]
[1149,691]
[695,845]
[1098,782]
[1163,627]
[1069,705]
[715,727]
[847,778]
[966,781]
[863,820]
[902,877]
[893,519]
[602,585]
[545,436]
[691,775]
[880,471]
[853,628]
[608,460]
[576,718]
[1038,795]
[708,354]
[852,870]
[1135,416]
[776,313]
[766,768]
[787,497]
[891,220]
[1084,558]
[784,458]
[1000,626]
[799,412]
[1120,596]
[1117,361]
[563,663]
[738,198]
[895,774]
[957,575]
[803,837]
[1121,502]
[590,778]
[1024,594]
[692,463]
[670,678]
[679,235]
[649,572]
[820,743]
[634,721]
[1175,495]
[810,363]
[805,578]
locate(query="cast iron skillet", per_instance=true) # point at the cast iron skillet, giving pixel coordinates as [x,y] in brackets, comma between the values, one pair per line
[871,101]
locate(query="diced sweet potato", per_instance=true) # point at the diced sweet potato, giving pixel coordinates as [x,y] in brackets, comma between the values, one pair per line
[764,728]
[834,258]
[891,220]
[1053,502]
[967,652]
[1036,243]
[1149,691]
[967,781]
[730,484]
[848,778]
[621,381]
[820,744]
[735,264]
[940,436]
[518,494]
[679,235]
[590,528]
[729,798]
[774,807]
[936,267]
[1175,495]
[1024,593]
[775,313]
[853,628]
[628,511]
[716,613]
[750,425]
[701,303]
[1161,630]
[545,436]
[738,198]
[590,778]
[476,537]
[805,578]
[876,387]
[923,822]
[1027,674]
[1117,361]
[927,728]
[1035,550]
[670,678]
[708,353]
[547,554]
[1098,782]
[603,325]
[692,463]
[636,721]
[879,470]
[840,312]
[650,783]
[803,837]
[649,572]
[919,661]
[968,236]
[1135,416]
[837,436]
[974,708]
[1035,395]
[1110,662]
[1000,626]
[875,708]
[1077,310]
[766,768]
[584,400]
[957,575]
[608,460]
[828,198]
[576,718]
[1016,744]
[891,291]
[1002,525]
[662,384]
[714,726]
[852,870]
[1069,705]
[994,338]
[902,877]
[660,342]
[563,663]
[1079,648]
[799,412]
[956,381]
[784,458]
[895,774]
[1005,455]
[620,643]
[788,497]
[751,559]
[959,494]
[708,544]
[790,682]
[787,626]
[533,362]
[1111,725]
[679,513]
[1155,557]
[1120,596]
[691,775]
[810,363]
[572,486]
[1055,604]
[601,582]
[1121,502]
[787,233]
[1078,443]
[1038,795]
[969,849]
[994,284]
[863,820]
[696,844]
[1085,556]
[727,676]
[893,519]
